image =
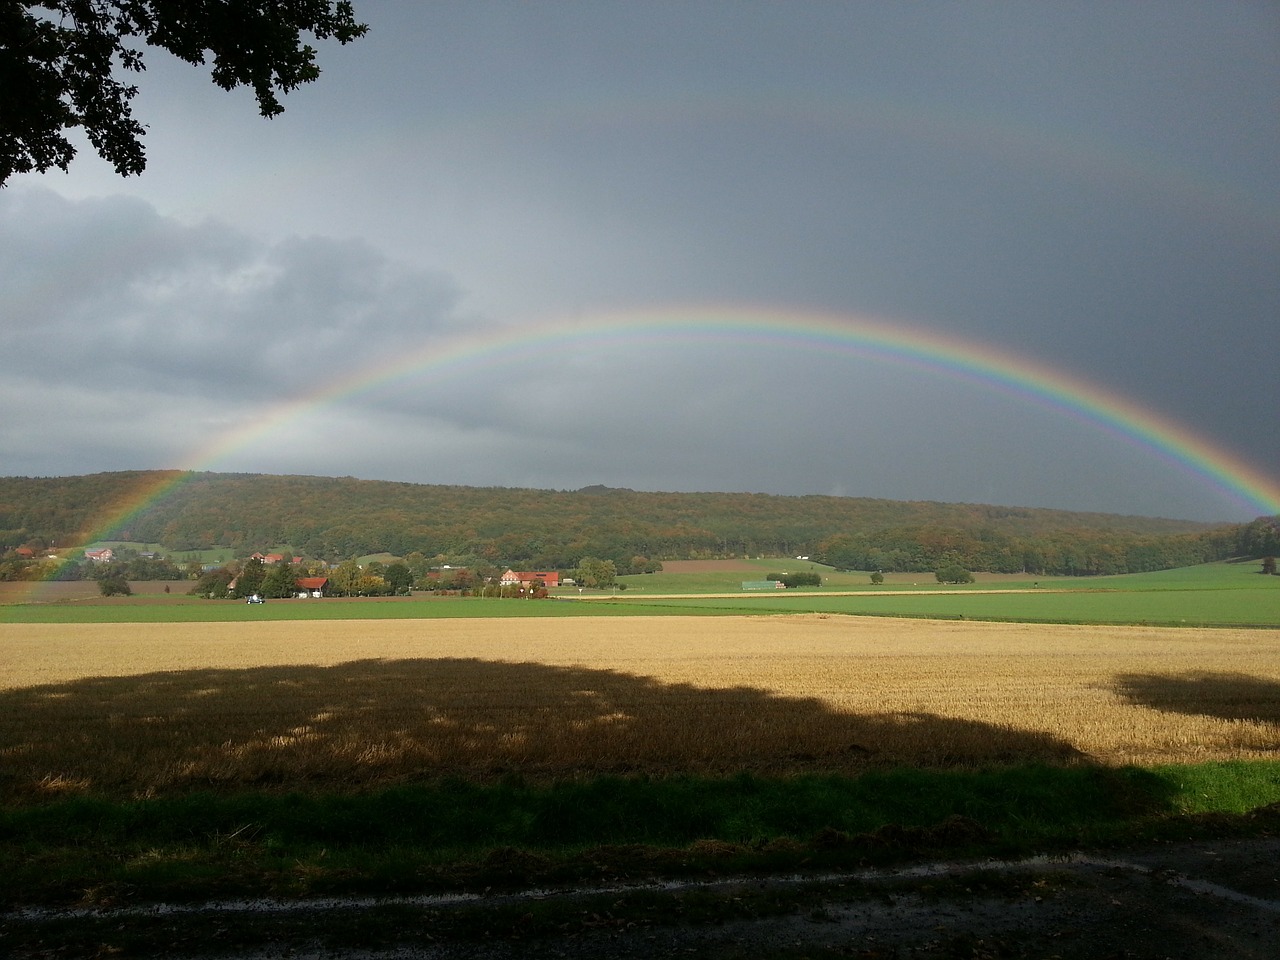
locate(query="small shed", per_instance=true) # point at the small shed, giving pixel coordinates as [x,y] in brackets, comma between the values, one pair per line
[311,586]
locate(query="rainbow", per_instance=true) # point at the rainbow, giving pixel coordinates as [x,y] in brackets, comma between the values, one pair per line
[851,336]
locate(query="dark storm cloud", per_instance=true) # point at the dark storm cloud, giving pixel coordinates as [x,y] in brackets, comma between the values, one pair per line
[1085,185]
[113,293]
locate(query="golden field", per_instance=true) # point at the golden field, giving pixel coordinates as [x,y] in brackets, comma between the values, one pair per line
[151,708]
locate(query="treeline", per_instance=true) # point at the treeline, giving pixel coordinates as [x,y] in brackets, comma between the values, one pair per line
[127,564]
[334,519]
[792,580]
[1062,553]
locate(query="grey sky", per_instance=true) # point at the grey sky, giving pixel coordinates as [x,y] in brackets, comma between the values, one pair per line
[1091,186]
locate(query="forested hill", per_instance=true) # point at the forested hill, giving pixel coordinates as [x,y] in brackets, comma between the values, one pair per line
[336,518]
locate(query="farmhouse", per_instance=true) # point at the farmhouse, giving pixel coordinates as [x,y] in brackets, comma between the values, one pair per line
[526,578]
[99,556]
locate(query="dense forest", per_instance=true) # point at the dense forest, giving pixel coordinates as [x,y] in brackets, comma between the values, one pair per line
[333,519]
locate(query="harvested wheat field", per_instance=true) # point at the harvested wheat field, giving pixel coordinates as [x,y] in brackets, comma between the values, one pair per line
[130,709]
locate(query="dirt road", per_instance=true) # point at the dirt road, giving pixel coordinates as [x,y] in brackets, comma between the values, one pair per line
[1212,900]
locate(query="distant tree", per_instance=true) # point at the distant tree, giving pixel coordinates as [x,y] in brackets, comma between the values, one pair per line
[371,586]
[346,578]
[595,573]
[877,577]
[1260,538]
[953,573]
[1269,565]
[213,584]
[467,579]
[58,60]
[70,571]
[249,581]
[149,568]
[281,581]
[17,567]
[800,579]
[114,584]
[399,578]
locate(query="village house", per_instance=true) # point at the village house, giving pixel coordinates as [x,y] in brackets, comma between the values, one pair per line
[526,578]
[273,558]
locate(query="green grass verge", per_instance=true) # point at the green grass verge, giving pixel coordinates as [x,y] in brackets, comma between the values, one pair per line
[460,835]
[1258,607]
[190,610]
[1215,594]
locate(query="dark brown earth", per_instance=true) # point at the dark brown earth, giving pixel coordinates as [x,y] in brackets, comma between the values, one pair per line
[1206,900]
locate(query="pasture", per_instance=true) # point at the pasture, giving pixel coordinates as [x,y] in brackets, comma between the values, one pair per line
[147,709]
[1259,607]
[1217,594]
[1214,594]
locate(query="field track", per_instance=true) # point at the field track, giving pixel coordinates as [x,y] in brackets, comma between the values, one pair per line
[157,706]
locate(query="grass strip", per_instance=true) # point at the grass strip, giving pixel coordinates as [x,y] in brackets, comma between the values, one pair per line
[234,611]
[461,835]
[1239,608]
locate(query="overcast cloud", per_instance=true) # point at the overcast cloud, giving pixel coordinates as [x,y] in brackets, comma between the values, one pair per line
[1090,186]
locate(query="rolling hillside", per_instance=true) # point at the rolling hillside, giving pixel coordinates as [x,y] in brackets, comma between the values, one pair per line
[334,518]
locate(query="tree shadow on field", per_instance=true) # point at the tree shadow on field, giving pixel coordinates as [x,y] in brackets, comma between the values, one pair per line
[1227,696]
[375,722]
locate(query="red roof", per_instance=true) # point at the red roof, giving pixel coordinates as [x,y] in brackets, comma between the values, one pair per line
[549,578]
[311,583]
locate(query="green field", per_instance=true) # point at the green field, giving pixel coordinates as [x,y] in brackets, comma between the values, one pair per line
[1240,608]
[731,581]
[1227,594]
[1215,594]
[187,610]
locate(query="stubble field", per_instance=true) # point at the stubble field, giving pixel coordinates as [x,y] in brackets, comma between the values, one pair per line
[150,709]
